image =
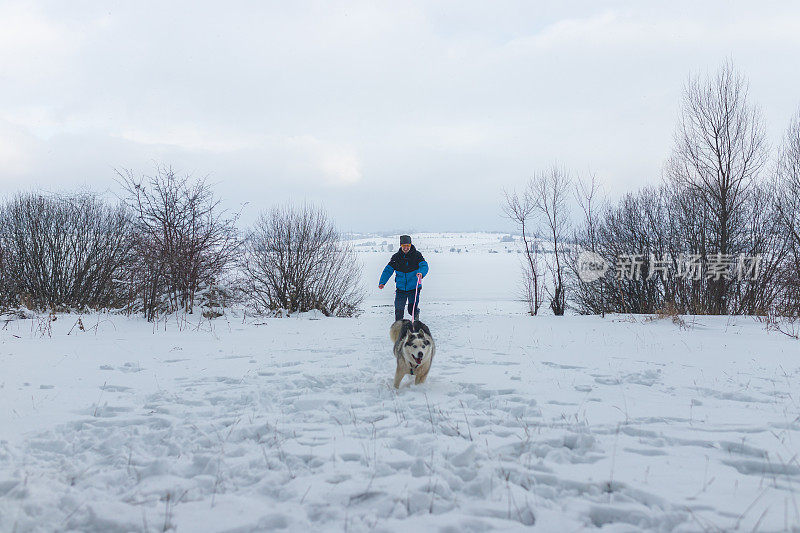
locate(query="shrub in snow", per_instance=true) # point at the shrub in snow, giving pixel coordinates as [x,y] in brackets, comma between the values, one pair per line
[183,240]
[788,207]
[295,260]
[62,252]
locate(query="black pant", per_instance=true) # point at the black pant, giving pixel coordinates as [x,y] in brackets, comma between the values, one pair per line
[400,299]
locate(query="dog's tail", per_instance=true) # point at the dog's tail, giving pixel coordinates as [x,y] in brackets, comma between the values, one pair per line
[396,329]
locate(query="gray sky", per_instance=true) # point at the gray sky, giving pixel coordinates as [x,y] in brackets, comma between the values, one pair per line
[394,115]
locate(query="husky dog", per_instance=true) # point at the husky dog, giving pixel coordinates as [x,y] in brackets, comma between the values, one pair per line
[414,349]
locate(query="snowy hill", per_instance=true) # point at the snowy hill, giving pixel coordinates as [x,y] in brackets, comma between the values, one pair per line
[543,423]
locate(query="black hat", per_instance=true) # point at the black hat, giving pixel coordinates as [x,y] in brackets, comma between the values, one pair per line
[405,239]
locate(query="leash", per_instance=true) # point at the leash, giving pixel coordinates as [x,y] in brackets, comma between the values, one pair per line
[414,307]
[413,312]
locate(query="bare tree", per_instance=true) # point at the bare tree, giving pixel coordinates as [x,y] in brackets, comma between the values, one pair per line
[296,260]
[548,191]
[521,210]
[720,149]
[184,240]
[586,195]
[589,297]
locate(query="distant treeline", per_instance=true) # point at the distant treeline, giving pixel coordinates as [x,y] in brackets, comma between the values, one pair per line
[720,235]
[168,246]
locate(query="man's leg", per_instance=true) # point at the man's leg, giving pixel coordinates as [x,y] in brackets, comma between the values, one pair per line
[399,304]
[413,305]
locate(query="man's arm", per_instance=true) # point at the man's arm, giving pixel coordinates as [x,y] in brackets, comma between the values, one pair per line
[423,268]
[387,273]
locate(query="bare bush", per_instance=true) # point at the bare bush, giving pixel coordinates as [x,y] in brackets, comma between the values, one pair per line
[788,208]
[8,293]
[183,239]
[63,251]
[649,240]
[295,260]
[631,238]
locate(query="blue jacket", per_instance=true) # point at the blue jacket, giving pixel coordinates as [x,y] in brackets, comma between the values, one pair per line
[405,267]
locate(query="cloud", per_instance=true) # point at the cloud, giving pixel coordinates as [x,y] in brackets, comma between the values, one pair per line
[17,150]
[33,47]
[649,29]
[190,138]
[336,164]
[304,156]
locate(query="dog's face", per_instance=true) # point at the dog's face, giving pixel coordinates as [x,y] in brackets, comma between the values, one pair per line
[417,348]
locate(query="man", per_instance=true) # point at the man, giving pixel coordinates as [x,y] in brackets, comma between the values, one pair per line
[409,267]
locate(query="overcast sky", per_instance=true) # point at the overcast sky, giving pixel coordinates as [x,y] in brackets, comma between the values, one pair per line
[396,115]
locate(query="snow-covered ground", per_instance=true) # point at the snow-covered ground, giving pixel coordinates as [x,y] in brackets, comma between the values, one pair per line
[543,423]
